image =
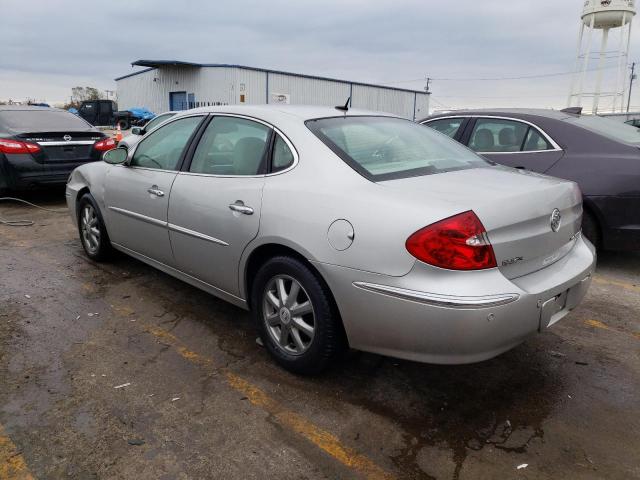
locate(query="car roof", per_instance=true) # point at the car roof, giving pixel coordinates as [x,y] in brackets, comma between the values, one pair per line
[5,108]
[302,112]
[516,112]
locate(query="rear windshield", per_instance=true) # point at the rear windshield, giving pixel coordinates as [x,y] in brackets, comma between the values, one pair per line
[612,129]
[383,148]
[23,121]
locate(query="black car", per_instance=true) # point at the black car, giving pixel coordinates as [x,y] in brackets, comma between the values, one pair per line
[601,155]
[41,146]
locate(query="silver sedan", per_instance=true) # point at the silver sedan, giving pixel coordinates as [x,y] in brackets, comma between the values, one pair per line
[342,229]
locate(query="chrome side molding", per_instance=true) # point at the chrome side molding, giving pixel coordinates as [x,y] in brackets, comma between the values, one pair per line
[437,300]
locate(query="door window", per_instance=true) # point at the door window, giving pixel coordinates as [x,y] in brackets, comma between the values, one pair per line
[231,146]
[282,155]
[448,126]
[494,135]
[163,148]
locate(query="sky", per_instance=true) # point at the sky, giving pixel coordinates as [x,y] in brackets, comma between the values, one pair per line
[47,47]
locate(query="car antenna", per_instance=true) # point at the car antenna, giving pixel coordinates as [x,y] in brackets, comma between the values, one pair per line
[573,110]
[344,108]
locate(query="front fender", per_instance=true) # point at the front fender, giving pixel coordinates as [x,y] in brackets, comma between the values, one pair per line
[89,177]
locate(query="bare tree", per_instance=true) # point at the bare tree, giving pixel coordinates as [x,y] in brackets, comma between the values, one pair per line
[82,94]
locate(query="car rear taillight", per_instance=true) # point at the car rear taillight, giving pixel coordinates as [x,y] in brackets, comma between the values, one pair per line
[15,146]
[105,144]
[456,243]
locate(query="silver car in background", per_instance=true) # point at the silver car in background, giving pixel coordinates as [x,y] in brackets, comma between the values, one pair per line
[137,133]
[342,229]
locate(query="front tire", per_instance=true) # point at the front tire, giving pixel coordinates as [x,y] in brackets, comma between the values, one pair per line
[93,233]
[296,316]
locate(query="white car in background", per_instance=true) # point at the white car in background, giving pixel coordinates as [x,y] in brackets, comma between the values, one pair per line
[138,132]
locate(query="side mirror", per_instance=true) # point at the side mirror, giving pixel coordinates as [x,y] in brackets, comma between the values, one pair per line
[117,156]
[137,131]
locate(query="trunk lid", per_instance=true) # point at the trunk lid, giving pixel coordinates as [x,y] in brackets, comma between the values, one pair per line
[515,207]
[65,147]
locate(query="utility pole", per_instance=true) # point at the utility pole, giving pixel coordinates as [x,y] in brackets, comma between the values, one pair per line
[426,89]
[633,77]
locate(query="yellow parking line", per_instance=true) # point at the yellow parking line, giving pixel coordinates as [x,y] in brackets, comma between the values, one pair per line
[322,439]
[616,283]
[604,326]
[12,464]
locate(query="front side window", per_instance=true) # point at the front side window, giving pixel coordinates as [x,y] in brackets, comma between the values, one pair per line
[163,148]
[231,146]
[386,148]
[494,135]
[448,126]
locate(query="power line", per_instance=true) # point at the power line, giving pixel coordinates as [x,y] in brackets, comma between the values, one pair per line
[493,79]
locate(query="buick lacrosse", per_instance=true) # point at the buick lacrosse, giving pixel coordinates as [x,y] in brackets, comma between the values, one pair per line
[342,229]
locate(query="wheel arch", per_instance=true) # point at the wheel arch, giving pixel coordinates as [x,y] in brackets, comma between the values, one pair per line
[84,190]
[590,207]
[256,256]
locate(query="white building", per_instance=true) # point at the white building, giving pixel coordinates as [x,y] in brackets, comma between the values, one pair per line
[173,85]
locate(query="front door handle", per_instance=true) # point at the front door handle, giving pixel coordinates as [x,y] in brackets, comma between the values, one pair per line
[156,191]
[240,207]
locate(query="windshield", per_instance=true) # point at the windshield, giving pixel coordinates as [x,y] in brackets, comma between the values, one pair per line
[153,123]
[23,121]
[608,128]
[386,148]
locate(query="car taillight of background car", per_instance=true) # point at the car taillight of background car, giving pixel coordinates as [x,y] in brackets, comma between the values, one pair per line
[105,145]
[17,147]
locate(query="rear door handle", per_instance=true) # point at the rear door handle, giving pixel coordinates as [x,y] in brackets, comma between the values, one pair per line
[240,207]
[155,191]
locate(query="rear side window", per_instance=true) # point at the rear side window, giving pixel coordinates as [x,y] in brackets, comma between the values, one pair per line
[494,135]
[448,126]
[45,120]
[163,148]
[282,155]
[386,148]
[231,146]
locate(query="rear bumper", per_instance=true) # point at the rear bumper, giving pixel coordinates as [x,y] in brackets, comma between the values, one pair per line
[437,316]
[20,172]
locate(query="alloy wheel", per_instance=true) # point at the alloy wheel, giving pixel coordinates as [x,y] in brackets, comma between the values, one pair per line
[89,228]
[288,315]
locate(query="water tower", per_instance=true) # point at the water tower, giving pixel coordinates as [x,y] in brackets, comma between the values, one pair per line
[606,17]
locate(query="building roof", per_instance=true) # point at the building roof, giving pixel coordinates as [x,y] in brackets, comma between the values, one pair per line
[153,64]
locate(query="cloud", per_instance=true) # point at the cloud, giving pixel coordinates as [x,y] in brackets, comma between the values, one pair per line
[48,47]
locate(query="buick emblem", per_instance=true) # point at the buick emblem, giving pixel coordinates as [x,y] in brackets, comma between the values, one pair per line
[556,220]
[67,138]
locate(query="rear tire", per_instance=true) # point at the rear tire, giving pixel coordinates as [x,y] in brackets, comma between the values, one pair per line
[591,229]
[93,233]
[296,316]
